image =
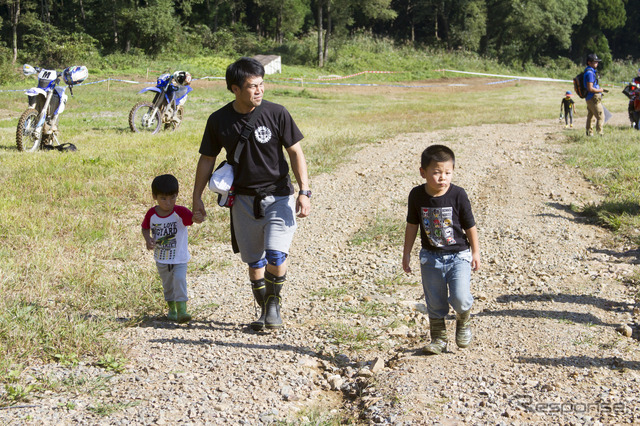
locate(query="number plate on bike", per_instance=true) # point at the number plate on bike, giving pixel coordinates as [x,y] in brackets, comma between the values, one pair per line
[47,75]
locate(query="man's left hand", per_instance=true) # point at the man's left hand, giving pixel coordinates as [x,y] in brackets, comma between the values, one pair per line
[303,206]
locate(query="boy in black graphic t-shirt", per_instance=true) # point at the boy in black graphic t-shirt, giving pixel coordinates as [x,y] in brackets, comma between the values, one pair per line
[450,247]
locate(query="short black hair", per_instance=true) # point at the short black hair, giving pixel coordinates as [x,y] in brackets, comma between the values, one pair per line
[165,185]
[437,153]
[240,70]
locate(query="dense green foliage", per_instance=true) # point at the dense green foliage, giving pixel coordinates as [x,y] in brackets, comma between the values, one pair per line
[55,33]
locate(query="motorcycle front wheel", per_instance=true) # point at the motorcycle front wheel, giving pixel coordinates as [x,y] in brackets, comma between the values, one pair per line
[26,135]
[142,120]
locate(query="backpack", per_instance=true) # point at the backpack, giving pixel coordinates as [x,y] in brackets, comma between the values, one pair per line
[578,85]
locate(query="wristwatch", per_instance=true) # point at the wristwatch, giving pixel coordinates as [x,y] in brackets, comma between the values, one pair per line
[305,192]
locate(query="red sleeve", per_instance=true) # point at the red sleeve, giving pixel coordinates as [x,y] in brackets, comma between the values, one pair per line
[146,223]
[185,214]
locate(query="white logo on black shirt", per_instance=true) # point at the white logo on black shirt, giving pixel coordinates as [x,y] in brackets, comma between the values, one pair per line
[262,134]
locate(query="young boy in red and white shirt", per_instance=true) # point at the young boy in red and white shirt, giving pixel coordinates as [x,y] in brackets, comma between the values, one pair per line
[165,231]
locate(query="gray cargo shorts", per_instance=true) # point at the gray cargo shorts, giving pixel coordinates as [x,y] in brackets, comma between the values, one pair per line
[272,232]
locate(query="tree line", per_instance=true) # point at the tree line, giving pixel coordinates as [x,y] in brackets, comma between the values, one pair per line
[515,32]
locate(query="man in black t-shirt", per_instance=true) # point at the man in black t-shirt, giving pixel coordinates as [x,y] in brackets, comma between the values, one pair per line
[263,214]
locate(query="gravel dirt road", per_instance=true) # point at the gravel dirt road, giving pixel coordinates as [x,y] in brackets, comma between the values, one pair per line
[549,297]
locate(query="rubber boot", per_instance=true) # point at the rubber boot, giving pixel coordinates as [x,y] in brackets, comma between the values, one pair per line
[438,343]
[259,293]
[463,329]
[173,313]
[272,305]
[183,316]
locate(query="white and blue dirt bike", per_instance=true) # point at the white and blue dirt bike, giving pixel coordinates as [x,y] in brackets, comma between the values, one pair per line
[167,108]
[38,125]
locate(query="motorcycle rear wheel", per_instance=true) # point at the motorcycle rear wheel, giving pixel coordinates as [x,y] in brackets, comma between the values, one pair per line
[26,139]
[137,117]
[173,125]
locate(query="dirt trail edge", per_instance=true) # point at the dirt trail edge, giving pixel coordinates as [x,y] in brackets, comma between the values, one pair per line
[549,298]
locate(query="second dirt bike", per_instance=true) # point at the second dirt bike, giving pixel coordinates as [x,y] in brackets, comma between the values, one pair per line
[38,125]
[167,108]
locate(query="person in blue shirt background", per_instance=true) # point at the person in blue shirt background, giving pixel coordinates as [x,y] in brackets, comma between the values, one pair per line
[594,95]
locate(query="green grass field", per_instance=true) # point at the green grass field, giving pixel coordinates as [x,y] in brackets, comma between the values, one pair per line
[72,259]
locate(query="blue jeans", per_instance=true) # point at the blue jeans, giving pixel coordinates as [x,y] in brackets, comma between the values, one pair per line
[446,274]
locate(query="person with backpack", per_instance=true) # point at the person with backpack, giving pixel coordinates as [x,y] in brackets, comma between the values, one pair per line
[594,95]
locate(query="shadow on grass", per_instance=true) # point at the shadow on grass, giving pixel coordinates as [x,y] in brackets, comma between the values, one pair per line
[565,208]
[603,213]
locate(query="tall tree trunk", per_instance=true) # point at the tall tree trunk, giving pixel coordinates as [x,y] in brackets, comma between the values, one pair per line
[82,14]
[444,23]
[435,30]
[115,23]
[213,10]
[412,23]
[215,14]
[320,50]
[46,15]
[279,33]
[14,11]
[327,36]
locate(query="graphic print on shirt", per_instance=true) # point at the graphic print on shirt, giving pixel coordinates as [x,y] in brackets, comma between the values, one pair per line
[437,224]
[262,134]
[165,236]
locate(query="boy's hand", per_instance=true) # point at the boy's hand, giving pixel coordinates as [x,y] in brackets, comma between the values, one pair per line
[475,261]
[406,260]
[151,244]
[198,217]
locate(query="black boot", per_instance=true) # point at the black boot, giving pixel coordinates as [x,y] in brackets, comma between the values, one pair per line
[259,293]
[272,306]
